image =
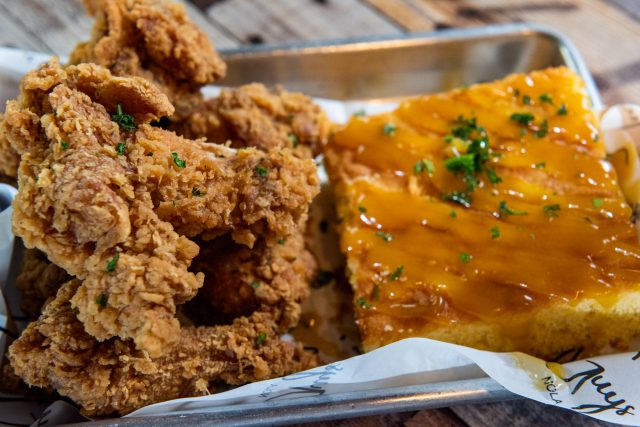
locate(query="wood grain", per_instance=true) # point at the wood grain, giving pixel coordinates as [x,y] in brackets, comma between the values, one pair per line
[605,31]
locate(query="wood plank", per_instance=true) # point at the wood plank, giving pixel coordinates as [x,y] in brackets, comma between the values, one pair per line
[406,14]
[219,36]
[279,21]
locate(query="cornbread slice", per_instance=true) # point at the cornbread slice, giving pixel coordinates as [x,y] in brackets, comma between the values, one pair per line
[488,217]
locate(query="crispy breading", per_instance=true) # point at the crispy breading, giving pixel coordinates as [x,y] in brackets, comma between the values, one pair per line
[239,280]
[39,280]
[9,158]
[93,195]
[253,116]
[113,377]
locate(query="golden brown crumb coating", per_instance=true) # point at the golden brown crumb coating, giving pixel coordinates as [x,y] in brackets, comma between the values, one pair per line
[112,376]
[39,280]
[101,200]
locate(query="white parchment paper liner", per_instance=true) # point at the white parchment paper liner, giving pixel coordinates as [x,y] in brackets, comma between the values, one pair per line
[605,387]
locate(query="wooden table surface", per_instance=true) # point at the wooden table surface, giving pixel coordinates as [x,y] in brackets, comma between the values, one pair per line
[606,32]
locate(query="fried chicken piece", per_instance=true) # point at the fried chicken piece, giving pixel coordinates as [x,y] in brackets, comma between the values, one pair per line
[253,116]
[239,280]
[153,39]
[100,206]
[39,280]
[113,377]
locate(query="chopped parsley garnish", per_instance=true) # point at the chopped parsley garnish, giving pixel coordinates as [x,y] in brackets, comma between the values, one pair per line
[64,144]
[464,163]
[281,241]
[360,113]
[422,166]
[597,203]
[255,284]
[262,338]
[121,148]
[524,119]
[293,138]
[505,210]
[111,264]
[102,300]
[495,232]
[453,214]
[261,171]
[448,139]
[362,209]
[396,273]
[562,111]
[125,121]
[376,293]
[387,237]
[324,278]
[493,177]
[551,210]
[465,257]
[516,93]
[363,303]
[540,165]
[543,129]
[526,99]
[196,192]
[467,128]
[389,129]
[459,197]
[177,161]
[545,97]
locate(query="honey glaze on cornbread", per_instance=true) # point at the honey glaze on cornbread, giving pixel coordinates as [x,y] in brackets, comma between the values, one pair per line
[484,202]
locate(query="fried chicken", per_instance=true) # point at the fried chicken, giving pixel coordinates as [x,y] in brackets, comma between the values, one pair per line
[39,280]
[99,199]
[113,377]
[9,159]
[239,280]
[253,116]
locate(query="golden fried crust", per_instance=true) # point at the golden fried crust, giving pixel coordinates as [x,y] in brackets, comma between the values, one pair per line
[90,190]
[9,159]
[239,280]
[38,281]
[253,116]
[113,377]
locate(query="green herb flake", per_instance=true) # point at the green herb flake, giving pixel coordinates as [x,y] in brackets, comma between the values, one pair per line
[389,129]
[505,210]
[448,139]
[543,129]
[540,165]
[177,161]
[255,284]
[360,113]
[281,242]
[324,278]
[495,232]
[111,264]
[293,138]
[459,197]
[493,177]
[551,210]
[396,273]
[465,257]
[261,171]
[422,166]
[262,338]
[121,148]
[524,119]
[387,237]
[526,100]
[562,111]
[376,293]
[125,121]
[362,209]
[102,300]
[545,97]
[597,203]
[196,192]
[464,163]
[516,93]
[362,303]
[64,144]
[453,214]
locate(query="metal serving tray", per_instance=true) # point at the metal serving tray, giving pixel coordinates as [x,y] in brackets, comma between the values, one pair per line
[384,68]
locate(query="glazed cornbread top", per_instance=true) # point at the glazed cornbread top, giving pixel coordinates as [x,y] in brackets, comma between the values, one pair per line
[481,202]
